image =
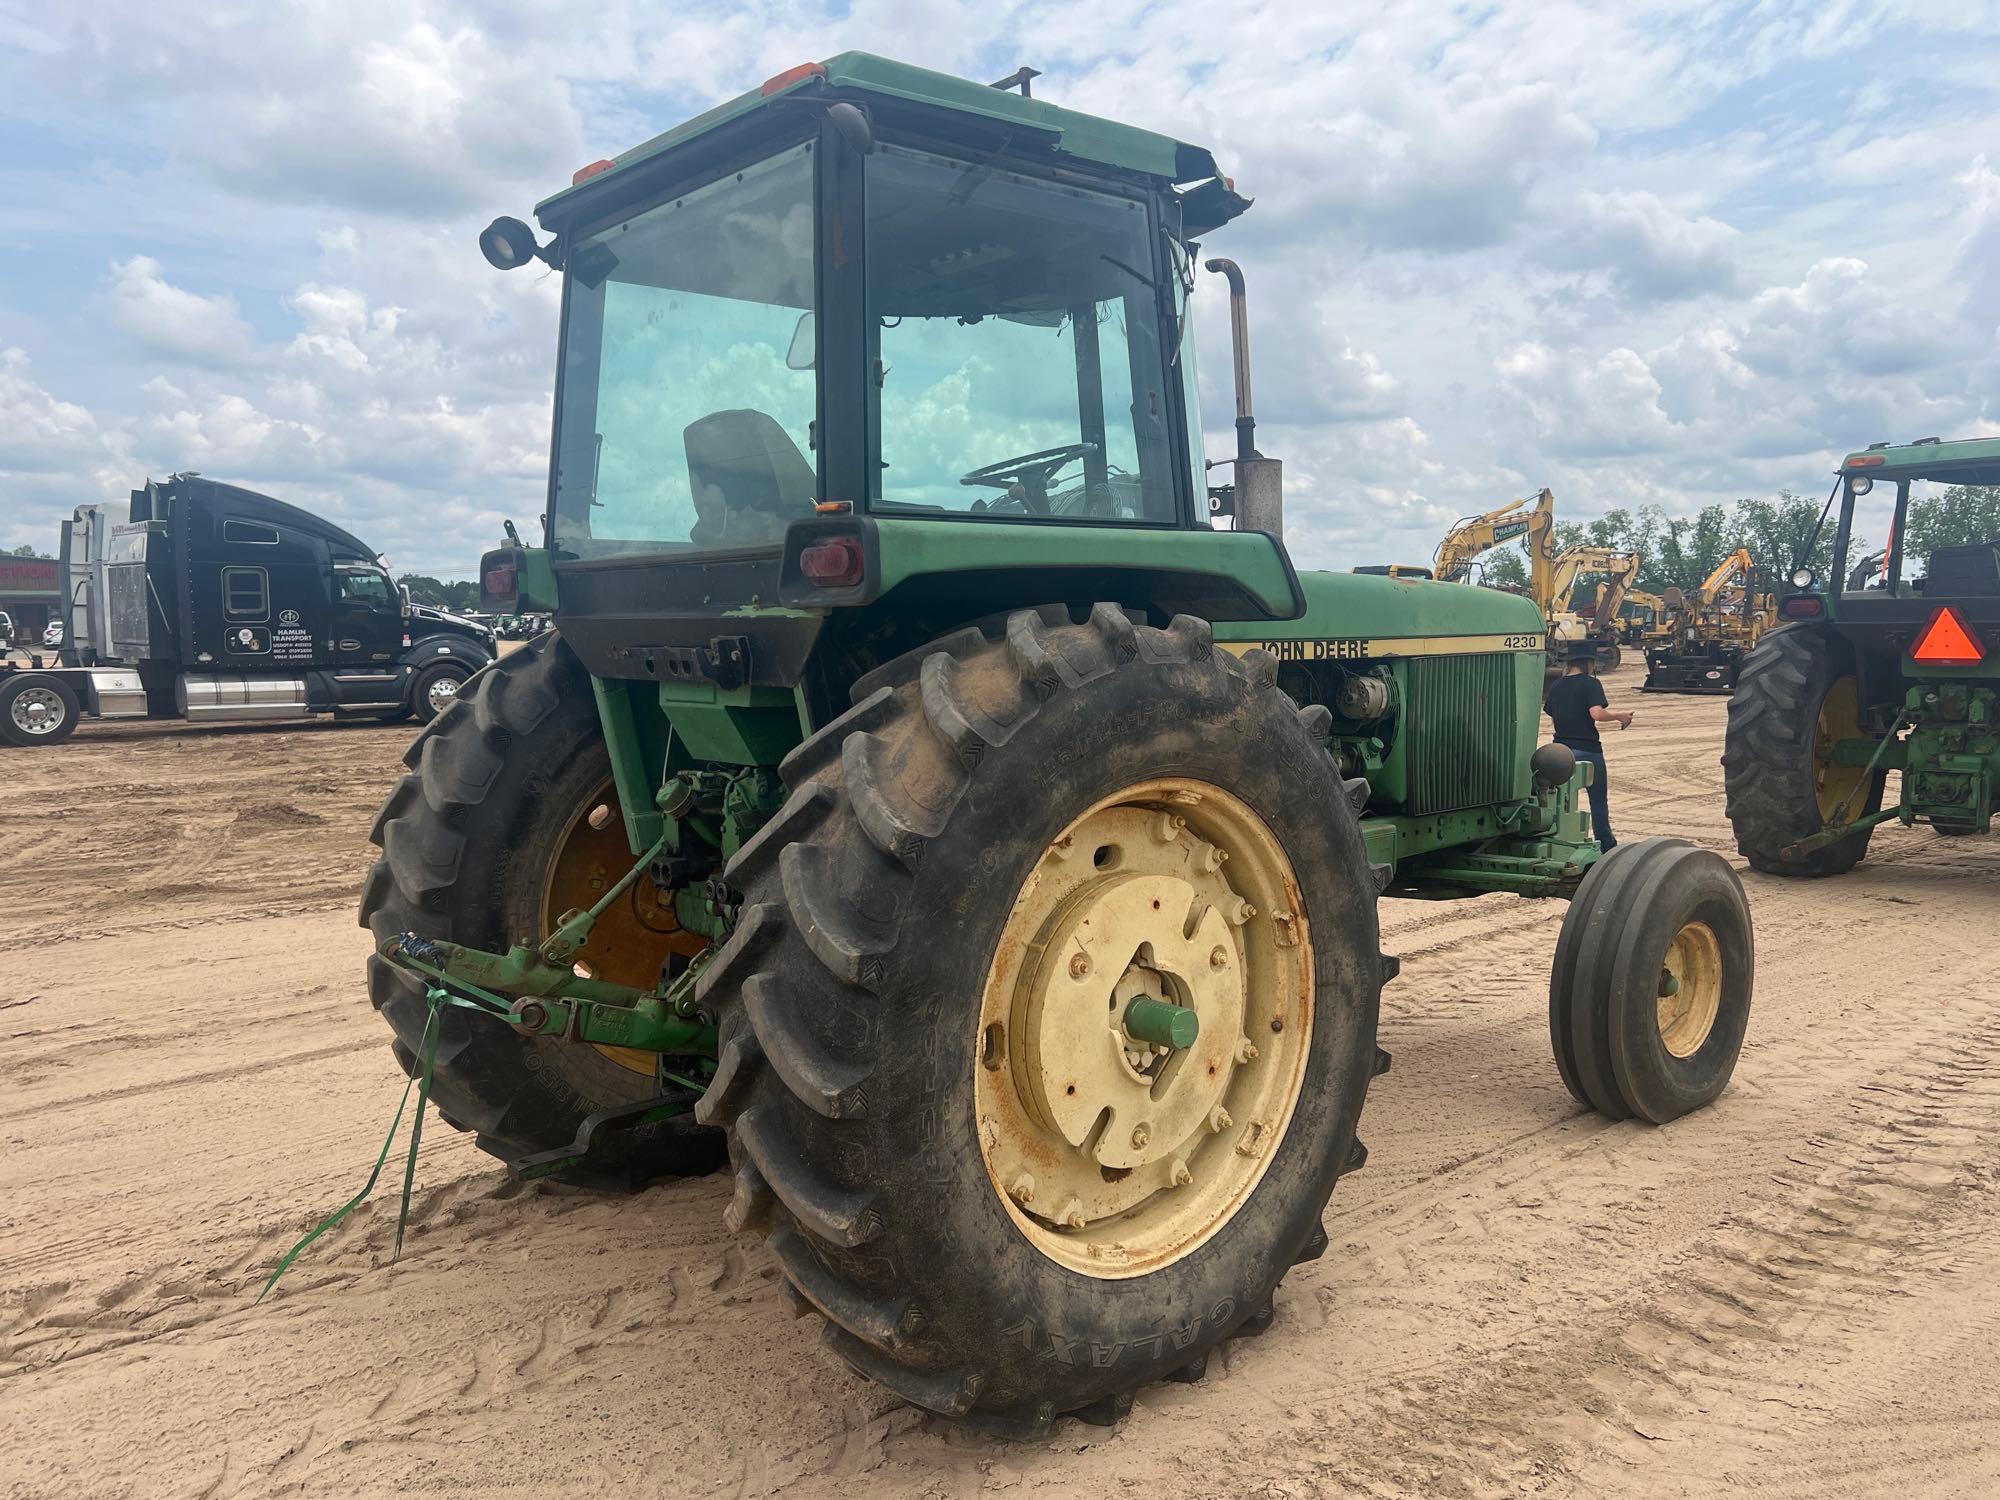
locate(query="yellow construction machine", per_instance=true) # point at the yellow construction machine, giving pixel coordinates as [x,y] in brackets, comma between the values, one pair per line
[1641,622]
[1531,521]
[1709,630]
[1553,578]
[1587,589]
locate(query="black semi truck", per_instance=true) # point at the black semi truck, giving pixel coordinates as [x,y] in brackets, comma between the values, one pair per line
[206,602]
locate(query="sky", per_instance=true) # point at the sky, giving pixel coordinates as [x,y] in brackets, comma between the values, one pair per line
[1638,253]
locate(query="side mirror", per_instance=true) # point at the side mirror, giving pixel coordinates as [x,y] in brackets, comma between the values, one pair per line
[403,593]
[804,353]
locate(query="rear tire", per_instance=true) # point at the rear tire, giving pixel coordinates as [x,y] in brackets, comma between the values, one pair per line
[467,842]
[856,1053]
[37,710]
[1649,996]
[1776,773]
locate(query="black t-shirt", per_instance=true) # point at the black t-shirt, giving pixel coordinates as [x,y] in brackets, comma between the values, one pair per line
[1569,704]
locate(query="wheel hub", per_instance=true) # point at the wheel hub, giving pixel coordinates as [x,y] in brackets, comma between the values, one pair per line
[1144,1028]
[36,710]
[635,934]
[1690,989]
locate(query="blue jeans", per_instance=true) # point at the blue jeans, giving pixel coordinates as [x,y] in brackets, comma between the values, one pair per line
[1600,798]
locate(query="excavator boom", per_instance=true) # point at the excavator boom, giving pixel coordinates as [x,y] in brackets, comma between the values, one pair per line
[1530,519]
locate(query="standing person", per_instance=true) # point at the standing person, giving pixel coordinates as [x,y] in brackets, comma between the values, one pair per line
[1577,705]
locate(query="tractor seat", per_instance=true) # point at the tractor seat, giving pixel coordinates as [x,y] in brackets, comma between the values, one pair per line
[748,477]
[1969,572]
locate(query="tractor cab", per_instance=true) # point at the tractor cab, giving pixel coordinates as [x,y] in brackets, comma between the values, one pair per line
[873,290]
[1887,601]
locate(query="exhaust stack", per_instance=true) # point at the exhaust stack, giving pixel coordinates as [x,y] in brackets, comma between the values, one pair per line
[1260,501]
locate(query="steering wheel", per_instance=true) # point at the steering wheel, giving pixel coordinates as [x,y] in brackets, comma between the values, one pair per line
[1031,471]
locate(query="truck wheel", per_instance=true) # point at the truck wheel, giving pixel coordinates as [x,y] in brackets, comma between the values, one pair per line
[37,710]
[1795,697]
[435,689]
[504,823]
[967,1104]
[1649,995]
[1609,657]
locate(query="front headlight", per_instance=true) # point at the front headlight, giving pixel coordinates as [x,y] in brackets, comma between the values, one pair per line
[1804,578]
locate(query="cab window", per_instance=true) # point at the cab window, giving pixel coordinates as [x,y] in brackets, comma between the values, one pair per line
[364,588]
[1019,364]
[688,384]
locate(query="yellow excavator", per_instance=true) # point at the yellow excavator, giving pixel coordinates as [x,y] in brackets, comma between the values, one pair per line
[1552,577]
[1587,590]
[1531,520]
[1708,631]
[1642,618]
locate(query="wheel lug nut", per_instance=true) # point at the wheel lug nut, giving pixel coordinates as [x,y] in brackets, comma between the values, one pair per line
[1218,1119]
[1168,826]
[1242,913]
[1182,1176]
[1079,965]
[1072,1215]
[1245,1049]
[1141,1134]
[1022,1189]
[1218,958]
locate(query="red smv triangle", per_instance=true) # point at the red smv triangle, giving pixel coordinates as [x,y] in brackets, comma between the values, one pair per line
[1948,642]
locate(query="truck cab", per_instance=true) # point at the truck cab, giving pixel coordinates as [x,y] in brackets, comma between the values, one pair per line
[206,601]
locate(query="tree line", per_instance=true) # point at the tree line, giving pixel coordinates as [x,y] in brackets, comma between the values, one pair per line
[1683,550]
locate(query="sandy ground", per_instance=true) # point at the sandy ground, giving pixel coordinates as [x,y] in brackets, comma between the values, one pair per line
[1792,1293]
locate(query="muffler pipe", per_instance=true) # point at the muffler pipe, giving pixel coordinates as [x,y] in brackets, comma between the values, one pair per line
[1239,349]
[1260,497]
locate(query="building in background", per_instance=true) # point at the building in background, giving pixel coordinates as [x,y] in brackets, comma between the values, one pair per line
[31,593]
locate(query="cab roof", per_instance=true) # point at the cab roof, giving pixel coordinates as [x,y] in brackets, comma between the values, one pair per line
[1064,132]
[1964,461]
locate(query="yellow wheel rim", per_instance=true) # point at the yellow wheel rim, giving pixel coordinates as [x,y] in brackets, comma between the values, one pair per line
[1690,989]
[1839,719]
[1116,1156]
[632,939]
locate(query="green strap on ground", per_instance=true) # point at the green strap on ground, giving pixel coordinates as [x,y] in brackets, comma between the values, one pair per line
[421,1082]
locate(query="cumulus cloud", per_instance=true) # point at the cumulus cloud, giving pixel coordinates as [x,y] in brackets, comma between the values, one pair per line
[1646,249]
[38,431]
[1622,250]
[176,324]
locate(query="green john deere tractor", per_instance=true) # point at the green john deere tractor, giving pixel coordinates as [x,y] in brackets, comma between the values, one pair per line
[924,799]
[1871,672]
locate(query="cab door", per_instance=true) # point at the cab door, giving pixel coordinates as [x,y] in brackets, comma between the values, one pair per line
[367,618]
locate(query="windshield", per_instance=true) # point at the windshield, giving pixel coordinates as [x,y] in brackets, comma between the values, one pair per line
[681,423]
[1020,370]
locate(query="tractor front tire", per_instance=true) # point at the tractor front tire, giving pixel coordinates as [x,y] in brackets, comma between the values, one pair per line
[499,784]
[1649,995]
[1005,1208]
[1794,697]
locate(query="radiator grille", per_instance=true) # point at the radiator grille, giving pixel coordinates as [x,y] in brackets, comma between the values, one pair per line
[1462,732]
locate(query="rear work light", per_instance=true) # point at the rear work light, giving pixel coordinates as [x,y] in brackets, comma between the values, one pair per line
[834,564]
[500,580]
[777,83]
[1947,641]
